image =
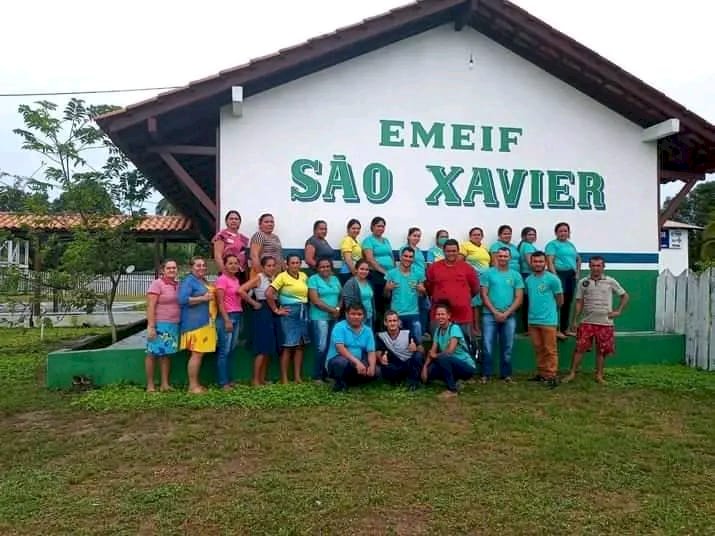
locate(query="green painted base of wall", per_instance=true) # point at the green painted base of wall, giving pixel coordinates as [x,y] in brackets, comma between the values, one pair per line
[106,367]
[641,286]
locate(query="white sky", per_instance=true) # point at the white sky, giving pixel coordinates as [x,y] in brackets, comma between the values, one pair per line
[85,45]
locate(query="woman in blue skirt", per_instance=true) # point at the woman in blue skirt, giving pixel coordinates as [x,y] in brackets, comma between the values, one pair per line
[265,325]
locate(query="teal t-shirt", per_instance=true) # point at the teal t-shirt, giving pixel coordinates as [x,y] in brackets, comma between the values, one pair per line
[366,296]
[328,292]
[356,342]
[514,260]
[419,263]
[442,337]
[405,298]
[381,250]
[502,286]
[565,254]
[542,291]
[435,254]
[526,248]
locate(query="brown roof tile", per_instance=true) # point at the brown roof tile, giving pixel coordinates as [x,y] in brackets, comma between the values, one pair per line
[10,221]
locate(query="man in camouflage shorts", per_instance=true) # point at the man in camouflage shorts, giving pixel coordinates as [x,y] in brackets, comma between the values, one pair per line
[594,316]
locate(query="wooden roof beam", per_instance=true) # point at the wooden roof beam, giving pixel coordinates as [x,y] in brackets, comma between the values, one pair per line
[676,201]
[196,150]
[187,180]
[671,175]
[464,14]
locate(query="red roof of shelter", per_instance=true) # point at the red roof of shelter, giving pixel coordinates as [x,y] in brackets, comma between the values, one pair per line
[188,116]
[168,226]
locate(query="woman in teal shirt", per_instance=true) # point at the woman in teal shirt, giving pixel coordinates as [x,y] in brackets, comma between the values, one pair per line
[504,233]
[564,261]
[449,358]
[414,236]
[324,291]
[357,289]
[526,247]
[436,253]
[377,251]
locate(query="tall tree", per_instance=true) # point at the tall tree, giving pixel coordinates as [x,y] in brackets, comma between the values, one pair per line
[21,194]
[165,208]
[698,208]
[102,244]
[698,205]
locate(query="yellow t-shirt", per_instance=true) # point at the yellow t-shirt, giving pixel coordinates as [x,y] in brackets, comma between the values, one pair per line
[352,246]
[477,256]
[349,244]
[291,290]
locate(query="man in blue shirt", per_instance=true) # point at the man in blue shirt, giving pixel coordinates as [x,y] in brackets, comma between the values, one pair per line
[351,357]
[545,297]
[502,294]
[405,284]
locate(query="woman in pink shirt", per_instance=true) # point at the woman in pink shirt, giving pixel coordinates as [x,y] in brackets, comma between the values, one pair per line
[229,241]
[162,319]
[228,319]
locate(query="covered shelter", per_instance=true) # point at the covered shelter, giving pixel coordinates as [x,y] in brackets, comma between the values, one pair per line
[158,230]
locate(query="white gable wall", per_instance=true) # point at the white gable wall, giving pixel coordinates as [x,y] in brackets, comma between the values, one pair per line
[427,78]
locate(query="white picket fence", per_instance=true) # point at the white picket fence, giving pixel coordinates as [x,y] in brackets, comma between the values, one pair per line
[686,304]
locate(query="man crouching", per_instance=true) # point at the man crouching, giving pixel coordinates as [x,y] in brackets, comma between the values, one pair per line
[398,354]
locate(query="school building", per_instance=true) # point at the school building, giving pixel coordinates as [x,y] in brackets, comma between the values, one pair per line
[438,114]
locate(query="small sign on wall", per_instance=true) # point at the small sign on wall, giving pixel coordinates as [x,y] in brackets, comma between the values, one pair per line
[676,238]
[664,241]
[671,239]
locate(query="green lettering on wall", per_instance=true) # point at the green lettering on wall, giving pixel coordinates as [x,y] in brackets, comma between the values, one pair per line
[559,189]
[512,190]
[537,188]
[482,183]
[435,135]
[377,183]
[341,177]
[308,188]
[508,137]
[487,138]
[445,186]
[391,133]
[590,191]
[461,137]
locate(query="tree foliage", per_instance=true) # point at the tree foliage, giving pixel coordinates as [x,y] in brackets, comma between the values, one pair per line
[95,180]
[698,208]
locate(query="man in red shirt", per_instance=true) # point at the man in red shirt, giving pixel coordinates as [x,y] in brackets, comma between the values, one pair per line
[455,281]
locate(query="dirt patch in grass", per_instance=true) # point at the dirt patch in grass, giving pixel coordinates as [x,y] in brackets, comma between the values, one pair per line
[32,420]
[400,521]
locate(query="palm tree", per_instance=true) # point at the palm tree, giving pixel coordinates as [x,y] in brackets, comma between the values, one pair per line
[165,208]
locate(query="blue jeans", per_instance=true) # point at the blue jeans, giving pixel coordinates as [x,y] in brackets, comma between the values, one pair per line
[413,324]
[449,369]
[425,307]
[397,370]
[345,373]
[493,331]
[225,345]
[320,335]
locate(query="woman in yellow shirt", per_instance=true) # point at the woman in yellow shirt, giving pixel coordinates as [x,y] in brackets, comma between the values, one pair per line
[350,251]
[290,290]
[476,253]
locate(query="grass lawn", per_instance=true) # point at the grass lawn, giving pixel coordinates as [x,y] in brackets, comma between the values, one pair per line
[634,457]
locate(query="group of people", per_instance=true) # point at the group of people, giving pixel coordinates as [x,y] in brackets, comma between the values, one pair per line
[375,317]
